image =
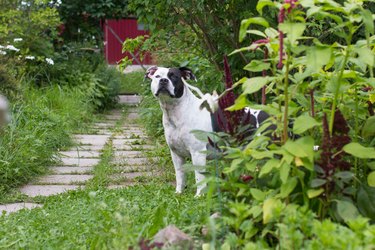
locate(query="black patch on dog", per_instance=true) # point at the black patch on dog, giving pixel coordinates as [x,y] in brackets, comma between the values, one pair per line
[175,76]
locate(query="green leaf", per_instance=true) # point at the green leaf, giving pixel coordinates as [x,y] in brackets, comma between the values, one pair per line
[366,201]
[294,31]
[359,151]
[312,193]
[263,3]
[236,163]
[266,168]
[257,194]
[317,57]
[284,172]
[365,55]
[254,84]
[303,123]
[268,206]
[256,32]
[368,21]
[257,66]
[317,183]
[371,179]
[288,187]
[246,23]
[346,210]
[369,127]
[295,149]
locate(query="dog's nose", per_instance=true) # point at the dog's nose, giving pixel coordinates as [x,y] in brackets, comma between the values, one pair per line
[163,82]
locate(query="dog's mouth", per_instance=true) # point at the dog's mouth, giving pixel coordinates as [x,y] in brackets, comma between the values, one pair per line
[163,91]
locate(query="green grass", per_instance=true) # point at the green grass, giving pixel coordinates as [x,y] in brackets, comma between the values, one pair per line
[102,219]
[133,83]
[42,122]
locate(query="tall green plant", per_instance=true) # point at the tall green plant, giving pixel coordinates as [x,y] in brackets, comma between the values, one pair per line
[309,83]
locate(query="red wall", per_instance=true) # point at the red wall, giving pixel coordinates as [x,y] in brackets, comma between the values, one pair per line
[124,28]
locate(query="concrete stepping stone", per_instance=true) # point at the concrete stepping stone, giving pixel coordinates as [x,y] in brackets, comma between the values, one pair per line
[128,141]
[115,117]
[125,154]
[14,207]
[130,136]
[127,147]
[130,169]
[104,125]
[91,139]
[130,161]
[90,147]
[129,99]
[46,190]
[72,170]
[64,179]
[81,154]
[80,162]
[132,116]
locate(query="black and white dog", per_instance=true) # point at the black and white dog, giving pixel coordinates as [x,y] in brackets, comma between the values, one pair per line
[182,113]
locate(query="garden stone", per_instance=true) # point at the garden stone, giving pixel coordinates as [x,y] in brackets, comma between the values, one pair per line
[171,236]
[131,161]
[81,162]
[80,154]
[64,179]
[132,147]
[121,153]
[72,170]
[14,207]
[132,116]
[46,190]
[129,176]
[128,141]
[129,99]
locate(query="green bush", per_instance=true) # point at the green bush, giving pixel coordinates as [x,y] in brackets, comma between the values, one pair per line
[41,124]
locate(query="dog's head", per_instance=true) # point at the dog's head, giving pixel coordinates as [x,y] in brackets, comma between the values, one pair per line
[168,81]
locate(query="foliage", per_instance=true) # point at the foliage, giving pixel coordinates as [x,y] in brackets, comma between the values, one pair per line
[41,124]
[210,26]
[83,19]
[115,219]
[309,83]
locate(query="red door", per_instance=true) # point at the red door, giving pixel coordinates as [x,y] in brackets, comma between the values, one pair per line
[116,30]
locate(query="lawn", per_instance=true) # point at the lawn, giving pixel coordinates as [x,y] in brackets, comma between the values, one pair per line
[102,219]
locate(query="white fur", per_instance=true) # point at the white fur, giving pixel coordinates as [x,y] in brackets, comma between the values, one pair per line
[180,117]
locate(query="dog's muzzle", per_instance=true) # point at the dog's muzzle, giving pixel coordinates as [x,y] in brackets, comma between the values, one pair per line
[163,88]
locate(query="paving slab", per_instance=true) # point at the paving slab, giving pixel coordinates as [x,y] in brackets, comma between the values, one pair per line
[90,147]
[46,190]
[14,207]
[80,154]
[64,179]
[130,161]
[132,116]
[81,162]
[129,99]
[123,185]
[127,154]
[128,147]
[72,170]
[130,169]
[128,141]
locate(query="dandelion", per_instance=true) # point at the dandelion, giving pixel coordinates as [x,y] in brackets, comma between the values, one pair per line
[50,61]
[17,39]
[11,47]
[30,57]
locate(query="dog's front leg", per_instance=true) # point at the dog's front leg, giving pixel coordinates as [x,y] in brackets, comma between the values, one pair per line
[199,160]
[178,162]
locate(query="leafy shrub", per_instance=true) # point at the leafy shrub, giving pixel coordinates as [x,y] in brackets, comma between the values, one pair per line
[41,124]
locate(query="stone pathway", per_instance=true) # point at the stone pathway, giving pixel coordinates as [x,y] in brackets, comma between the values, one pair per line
[77,164]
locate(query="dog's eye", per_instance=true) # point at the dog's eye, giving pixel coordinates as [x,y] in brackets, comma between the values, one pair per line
[157,76]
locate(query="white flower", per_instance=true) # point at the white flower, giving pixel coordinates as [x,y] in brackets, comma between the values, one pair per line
[11,47]
[2,47]
[50,61]
[17,39]
[3,52]
[30,57]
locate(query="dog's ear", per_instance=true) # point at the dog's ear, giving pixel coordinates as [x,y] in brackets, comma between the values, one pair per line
[187,74]
[150,71]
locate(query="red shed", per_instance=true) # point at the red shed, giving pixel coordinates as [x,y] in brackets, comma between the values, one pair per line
[117,31]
